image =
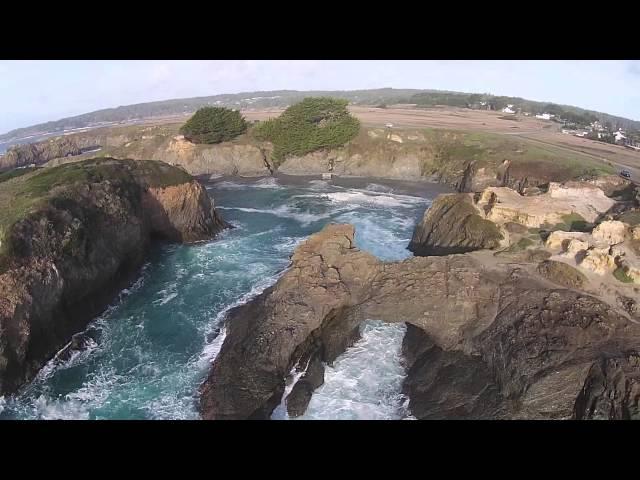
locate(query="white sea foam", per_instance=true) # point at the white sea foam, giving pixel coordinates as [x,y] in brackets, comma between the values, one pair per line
[168,294]
[319,185]
[280,413]
[212,348]
[365,382]
[360,197]
[268,182]
[285,211]
[374,187]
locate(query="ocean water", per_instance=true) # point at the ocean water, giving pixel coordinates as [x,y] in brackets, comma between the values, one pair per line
[151,349]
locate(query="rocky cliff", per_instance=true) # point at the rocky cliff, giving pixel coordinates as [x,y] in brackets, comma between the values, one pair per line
[72,237]
[485,340]
[467,161]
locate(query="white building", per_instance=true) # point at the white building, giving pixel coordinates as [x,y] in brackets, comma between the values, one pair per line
[508,109]
[545,116]
[620,136]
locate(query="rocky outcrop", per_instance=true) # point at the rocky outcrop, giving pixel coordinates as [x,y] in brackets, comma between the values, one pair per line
[611,232]
[562,274]
[38,153]
[611,390]
[453,225]
[484,340]
[556,206]
[182,213]
[80,244]
[308,312]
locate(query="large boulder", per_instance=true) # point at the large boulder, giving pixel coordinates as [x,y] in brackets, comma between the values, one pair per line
[611,232]
[453,225]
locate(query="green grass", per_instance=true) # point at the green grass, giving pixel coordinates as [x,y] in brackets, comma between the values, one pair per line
[17,172]
[454,147]
[572,222]
[622,276]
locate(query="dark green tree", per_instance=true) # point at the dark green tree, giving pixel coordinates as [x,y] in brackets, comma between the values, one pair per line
[312,124]
[214,125]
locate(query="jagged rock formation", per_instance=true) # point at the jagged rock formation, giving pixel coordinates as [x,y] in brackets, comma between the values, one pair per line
[454,225]
[82,240]
[485,340]
[38,153]
[466,222]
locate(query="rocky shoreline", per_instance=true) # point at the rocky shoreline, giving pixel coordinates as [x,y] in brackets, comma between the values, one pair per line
[508,330]
[84,241]
[375,153]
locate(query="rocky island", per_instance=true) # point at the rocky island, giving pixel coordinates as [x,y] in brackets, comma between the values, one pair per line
[73,236]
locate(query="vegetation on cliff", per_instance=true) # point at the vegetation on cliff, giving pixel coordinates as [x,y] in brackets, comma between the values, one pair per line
[23,194]
[214,125]
[307,126]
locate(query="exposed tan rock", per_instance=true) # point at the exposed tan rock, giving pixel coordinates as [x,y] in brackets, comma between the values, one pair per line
[611,232]
[559,240]
[599,260]
[576,246]
[502,204]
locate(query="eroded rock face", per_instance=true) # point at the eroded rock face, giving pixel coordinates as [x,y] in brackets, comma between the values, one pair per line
[506,205]
[611,390]
[453,225]
[611,232]
[311,310]
[484,340]
[38,153]
[73,254]
[182,213]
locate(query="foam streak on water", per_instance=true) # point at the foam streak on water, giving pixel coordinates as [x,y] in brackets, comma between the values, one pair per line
[365,382]
[148,353]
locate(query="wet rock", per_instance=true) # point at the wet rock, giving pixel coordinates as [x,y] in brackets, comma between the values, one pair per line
[301,393]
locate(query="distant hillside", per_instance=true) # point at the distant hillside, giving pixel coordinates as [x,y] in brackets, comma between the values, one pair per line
[284,98]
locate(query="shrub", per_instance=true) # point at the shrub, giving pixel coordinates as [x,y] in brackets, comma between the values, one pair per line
[214,125]
[622,275]
[310,125]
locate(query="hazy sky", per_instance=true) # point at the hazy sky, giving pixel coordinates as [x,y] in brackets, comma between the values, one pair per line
[37,91]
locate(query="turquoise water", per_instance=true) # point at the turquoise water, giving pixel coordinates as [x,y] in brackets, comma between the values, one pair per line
[152,348]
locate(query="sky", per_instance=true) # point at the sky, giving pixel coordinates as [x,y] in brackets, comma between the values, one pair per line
[36,91]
